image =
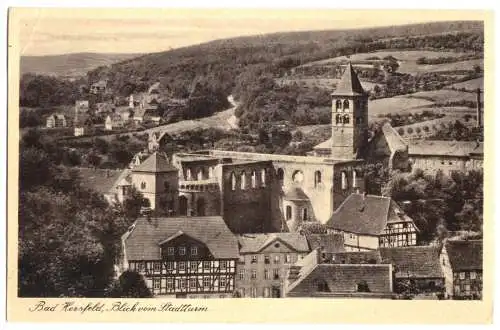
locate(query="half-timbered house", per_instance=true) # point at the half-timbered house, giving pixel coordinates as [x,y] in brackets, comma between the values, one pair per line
[185,257]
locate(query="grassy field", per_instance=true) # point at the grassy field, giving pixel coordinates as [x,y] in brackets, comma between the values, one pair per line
[469,85]
[442,96]
[325,83]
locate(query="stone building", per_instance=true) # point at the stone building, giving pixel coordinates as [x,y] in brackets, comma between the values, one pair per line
[56,120]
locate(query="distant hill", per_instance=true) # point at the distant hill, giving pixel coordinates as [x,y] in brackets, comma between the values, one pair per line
[69,65]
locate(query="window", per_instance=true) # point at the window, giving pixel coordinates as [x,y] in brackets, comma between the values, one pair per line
[182,283]
[243,178]
[317,178]
[193,266]
[223,265]
[182,251]
[254,180]
[346,104]
[222,281]
[362,287]
[206,265]
[267,292]
[170,251]
[170,283]
[254,274]
[206,281]
[156,283]
[241,274]
[188,174]
[462,276]
[254,259]
[182,266]
[276,274]
[472,275]
[157,266]
[281,174]
[288,212]
[338,104]
[253,292]
[267,259]
[199,175]
[143,185]
[338,119]
[166,185]
[345,119]
[277,259]
[304,214]
[263,177]
[344,181]
[170,266]
[210,172]
[192,283]
[354,179]
[266,274]
[288,259]
[194,250]
[200,207]
[298,177]
[233,182]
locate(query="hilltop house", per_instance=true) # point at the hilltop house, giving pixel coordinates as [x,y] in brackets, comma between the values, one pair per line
[186,257]
[81,106]
[369,222]
[462,262]
[99,87]
[113,121]
[56,120]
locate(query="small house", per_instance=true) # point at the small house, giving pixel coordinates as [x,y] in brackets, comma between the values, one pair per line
[56,120]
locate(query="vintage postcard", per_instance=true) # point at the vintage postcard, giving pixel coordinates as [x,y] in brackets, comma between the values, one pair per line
[171,165]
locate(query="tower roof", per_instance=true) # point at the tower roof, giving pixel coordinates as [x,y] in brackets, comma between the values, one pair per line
[156,163]
[349,85]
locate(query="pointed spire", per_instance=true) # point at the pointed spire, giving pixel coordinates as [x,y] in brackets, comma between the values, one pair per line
[349,85]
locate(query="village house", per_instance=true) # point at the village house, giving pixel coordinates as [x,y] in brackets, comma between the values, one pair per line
[81,124]
[185,257]
[417,269]
[462,261]
[113,121]
[99,87]
[104,107]
[369,222]
[56,120]
[317,276]
[81,106]
[264,262]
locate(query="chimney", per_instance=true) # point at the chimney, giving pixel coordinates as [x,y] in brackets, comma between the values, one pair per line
[478,109]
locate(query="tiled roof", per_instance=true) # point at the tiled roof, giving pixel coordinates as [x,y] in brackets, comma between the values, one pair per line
[349,85]
[156,163]
[465,254]
[358,257]
[295,194]
[143,242]
[98,179]
[445,148]
[394,140]
[331,243]
[361,214]
[255,243]
[324,145]
[414,261]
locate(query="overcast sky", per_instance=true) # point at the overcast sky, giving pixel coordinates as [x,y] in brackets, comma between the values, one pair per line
[46,32]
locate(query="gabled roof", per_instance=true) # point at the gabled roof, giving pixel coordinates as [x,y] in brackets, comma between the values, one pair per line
[445,148]
[414,261]
[393,139]
[156,163]
[366,214]
[98,179]
[295,194]
[465,254]
[143,243]
[324,145]
[255,243]
[349,85]
[330,243]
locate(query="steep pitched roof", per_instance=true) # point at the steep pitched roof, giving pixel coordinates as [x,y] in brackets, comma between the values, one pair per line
[156,163]
[414,261]
[393,139]
[98,179]
[349,85]
[255,243]
[465,254]
[365,214]
[445,148]
[358,257]
[295,194]
[143,241]
[324,145]
[331,243]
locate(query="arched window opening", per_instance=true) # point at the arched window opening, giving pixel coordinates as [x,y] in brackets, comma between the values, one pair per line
[346,119]
[344,181]
[166,185]
[354,179]
[254,180]
[233,181]
[288,214]
[199,175]
[346,104]
[298,177]
[304,214]
[210,172]
[338,119]
[338,104]
[317,178]
[183,205]
[143,185]
[281,174]
[188,174]
[200,207]
[243,181]
[263,177]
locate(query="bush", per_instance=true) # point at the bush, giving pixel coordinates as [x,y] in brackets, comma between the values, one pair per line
[409,130]
[401,131]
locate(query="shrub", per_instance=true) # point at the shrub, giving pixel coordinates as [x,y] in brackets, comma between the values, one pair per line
[409,130]
[401,131]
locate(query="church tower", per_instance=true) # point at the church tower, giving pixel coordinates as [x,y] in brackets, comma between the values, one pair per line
[349,117]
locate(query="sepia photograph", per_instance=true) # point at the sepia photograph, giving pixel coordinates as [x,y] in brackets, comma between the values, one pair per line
[289,156]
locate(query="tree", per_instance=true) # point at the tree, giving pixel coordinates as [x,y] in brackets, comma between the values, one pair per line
[130,284]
